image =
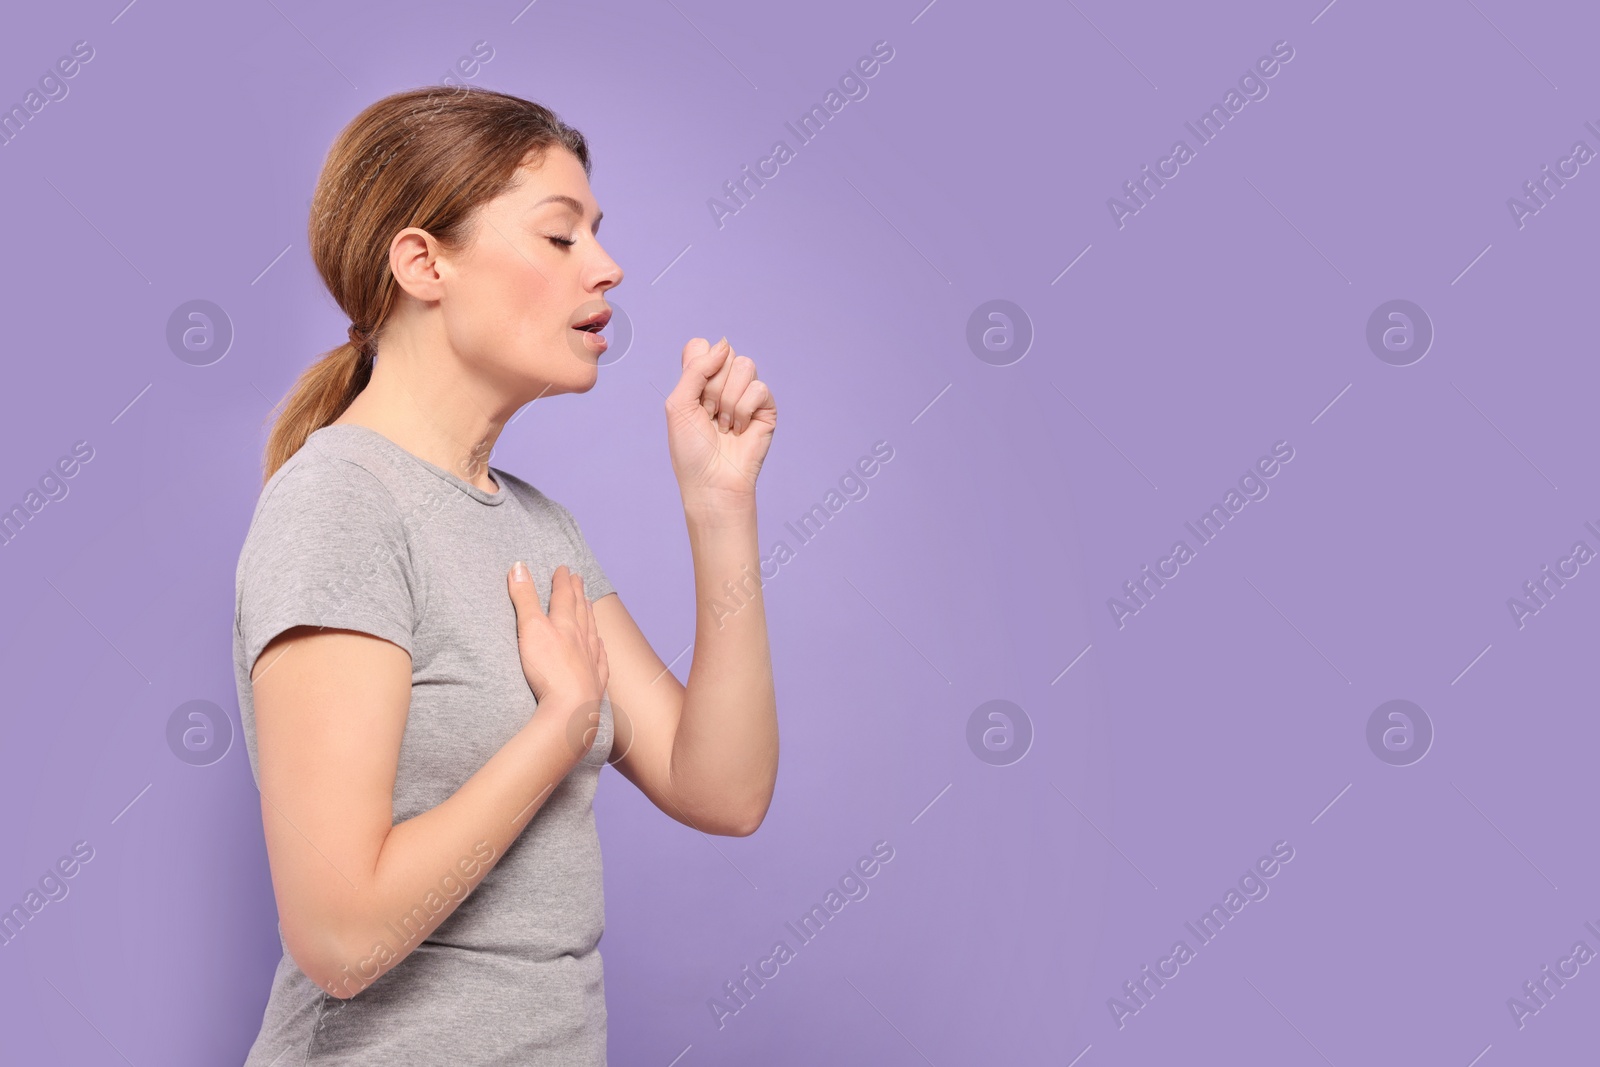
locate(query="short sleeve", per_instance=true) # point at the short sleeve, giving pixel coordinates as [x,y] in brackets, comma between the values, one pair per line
[595,582]
[327,547]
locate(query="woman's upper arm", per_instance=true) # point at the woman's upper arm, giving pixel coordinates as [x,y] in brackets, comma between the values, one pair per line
[646,703]
[330,710]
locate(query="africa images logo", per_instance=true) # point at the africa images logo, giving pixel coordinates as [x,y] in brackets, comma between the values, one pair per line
[852,87]
[1207,128]
[1252,887]
[1141,591]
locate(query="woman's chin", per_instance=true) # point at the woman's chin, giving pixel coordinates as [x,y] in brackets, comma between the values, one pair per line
[569,379]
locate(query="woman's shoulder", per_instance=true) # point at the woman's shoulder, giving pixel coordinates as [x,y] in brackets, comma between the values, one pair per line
[327,546]
[335,487]
[336,463]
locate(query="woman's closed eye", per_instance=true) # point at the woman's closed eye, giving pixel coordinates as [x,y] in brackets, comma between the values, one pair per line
[563,241]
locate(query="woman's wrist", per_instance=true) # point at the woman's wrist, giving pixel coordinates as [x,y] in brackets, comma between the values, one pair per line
[718,510]
[570,721]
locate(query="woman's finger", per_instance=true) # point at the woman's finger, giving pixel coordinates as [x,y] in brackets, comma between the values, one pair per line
[756,396]
[600,653]
[562,606]
[699,364]
[580,604]
[741,372]
[713,390]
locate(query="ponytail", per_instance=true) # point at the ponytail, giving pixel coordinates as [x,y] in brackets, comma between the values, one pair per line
[323,392]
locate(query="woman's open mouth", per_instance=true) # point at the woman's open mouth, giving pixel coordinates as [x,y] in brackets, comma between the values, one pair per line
[590,327]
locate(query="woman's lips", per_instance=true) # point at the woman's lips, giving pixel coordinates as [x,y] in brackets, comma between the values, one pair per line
[589,320]
[596,321]
[594,341]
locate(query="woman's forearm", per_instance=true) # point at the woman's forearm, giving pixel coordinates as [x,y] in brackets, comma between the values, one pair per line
[429,863]
[725,753]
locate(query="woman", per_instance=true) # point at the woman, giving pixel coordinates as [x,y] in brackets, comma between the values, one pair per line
[427,652]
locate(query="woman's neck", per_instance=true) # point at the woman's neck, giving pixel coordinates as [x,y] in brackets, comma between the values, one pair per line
[439,416]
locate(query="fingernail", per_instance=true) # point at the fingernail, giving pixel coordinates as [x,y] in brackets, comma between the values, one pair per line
[519,572]
[723,343]
[723,420]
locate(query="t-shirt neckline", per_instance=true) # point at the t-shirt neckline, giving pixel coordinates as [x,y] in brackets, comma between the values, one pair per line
[483,496]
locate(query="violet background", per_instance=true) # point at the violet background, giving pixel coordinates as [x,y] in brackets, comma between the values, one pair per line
[1224,317]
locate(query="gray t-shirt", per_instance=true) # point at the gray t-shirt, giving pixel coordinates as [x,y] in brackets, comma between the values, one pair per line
[356,533]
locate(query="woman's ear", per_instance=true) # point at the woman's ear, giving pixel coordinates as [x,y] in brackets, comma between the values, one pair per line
[413,260]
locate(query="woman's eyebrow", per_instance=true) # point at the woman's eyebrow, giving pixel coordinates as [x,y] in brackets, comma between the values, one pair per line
[573,203]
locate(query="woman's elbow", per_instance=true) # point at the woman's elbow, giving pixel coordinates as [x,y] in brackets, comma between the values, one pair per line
[751,819]
[323,955]
[725,820]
